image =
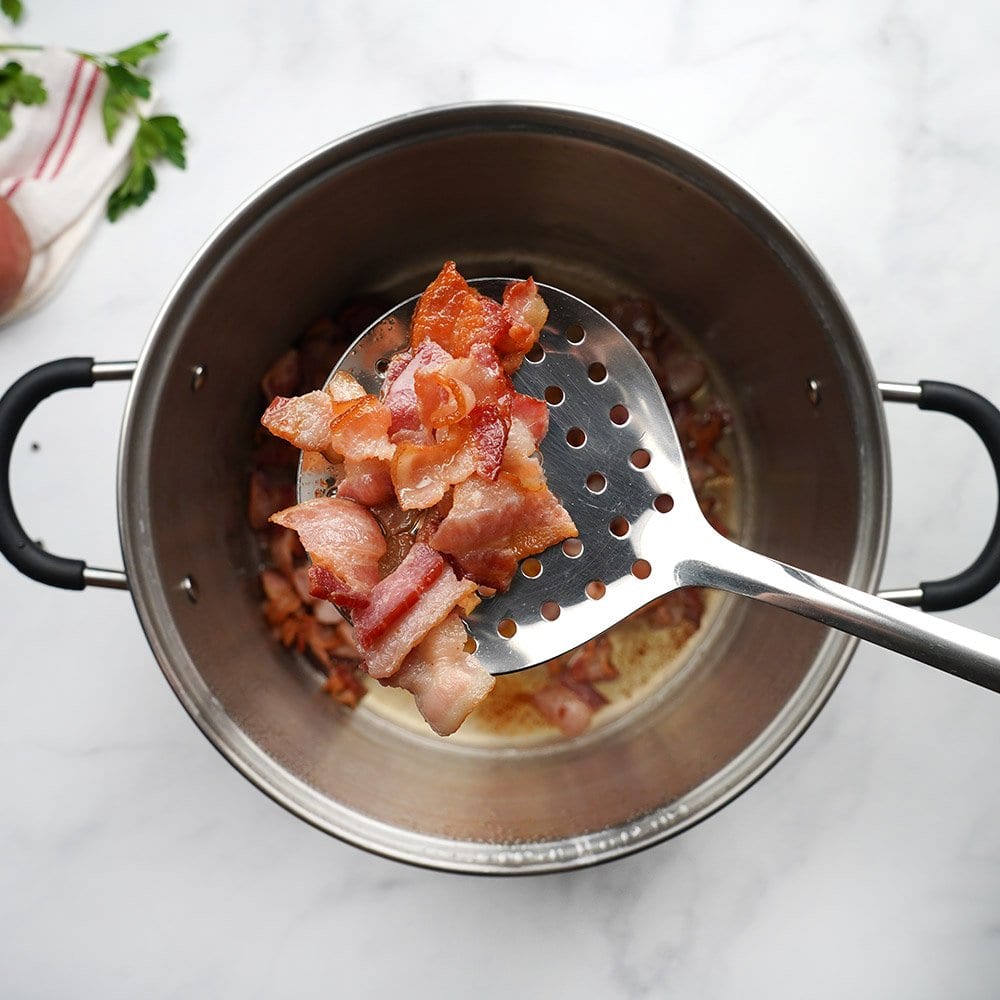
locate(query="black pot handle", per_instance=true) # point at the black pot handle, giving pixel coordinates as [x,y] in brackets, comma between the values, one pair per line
[984,418]
[15,406]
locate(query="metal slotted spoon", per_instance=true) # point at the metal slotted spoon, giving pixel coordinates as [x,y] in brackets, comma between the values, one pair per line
[613,458]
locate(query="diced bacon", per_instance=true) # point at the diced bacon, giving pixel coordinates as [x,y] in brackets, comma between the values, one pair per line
[441,400]
[268,493]
[483,373]
[281,600]
[563,708]
[385,654]
[301,420]
[533,413]
[274,454]
[394,595]
[446,682]
[677,607]
[399,394]
[361,430]
[489,438]
[492,526]
[283,547]
[479,321]
[526,313]
[490,417]
[344,387]
[683,375]
[422,473]
[344,543]
[368,482]
[520,459]
[585,691]
[282,378]
[592,662]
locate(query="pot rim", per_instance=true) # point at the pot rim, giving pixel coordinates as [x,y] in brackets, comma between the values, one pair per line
[424,850]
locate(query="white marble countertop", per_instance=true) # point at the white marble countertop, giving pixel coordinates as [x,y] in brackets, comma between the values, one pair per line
[136,862]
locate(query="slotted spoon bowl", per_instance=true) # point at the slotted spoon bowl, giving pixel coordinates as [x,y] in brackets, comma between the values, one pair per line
[613,458]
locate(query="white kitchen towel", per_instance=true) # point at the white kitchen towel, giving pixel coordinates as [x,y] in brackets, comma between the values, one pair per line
[57,167]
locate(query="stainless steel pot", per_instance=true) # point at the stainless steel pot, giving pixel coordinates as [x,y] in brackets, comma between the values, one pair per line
[599,208]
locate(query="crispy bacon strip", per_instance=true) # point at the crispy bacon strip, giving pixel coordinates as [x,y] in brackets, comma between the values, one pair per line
[422,473]
[563,708]
[526,313]
[384,655]
[343,541]
[492,526]
[368,482]
[446,682]
[301,420]
[442,401]
[399,393]
[394,595]
[453,314]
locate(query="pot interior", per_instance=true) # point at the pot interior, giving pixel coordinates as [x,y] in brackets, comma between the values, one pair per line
[601,210]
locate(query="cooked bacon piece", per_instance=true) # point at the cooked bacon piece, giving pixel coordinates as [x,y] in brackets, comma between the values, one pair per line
[490,428]
[492,526]
[442,401]
[439,307]
[480,321]
[482,372]
[520,459]
[453,314]
[282,378]
[280,598]
[274,454]
[368,482]
[360,430]
[301,420]
[398,392]
[268,493]
[394,595]
[683,375]
[284,548]
[343,683]
[490,417]
[446,682]
[344,387]
[563,708]
[585,691]
[384,655]
[526,313]
[533,413]
[344,543]
[592,662]
[422,473]
[677,607]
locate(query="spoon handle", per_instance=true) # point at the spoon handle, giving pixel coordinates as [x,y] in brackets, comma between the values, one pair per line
[953,648]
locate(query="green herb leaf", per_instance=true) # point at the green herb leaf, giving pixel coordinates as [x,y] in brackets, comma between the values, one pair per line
[161,136]
[172,136]
[123,79]
[13,9]
[134,54]
[138,185]
[116,103]
[17,87]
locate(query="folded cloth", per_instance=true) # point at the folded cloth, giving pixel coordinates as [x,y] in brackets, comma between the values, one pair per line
[57,166]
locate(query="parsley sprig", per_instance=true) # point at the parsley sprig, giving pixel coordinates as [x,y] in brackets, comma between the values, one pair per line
[17,87]
[13,9]
[159,137]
